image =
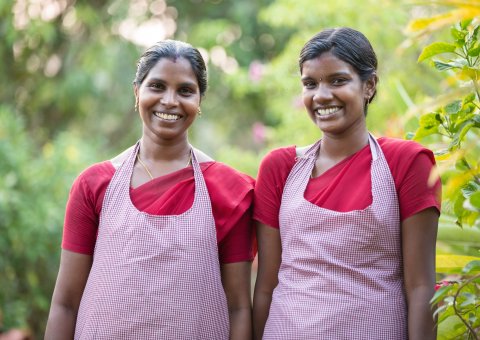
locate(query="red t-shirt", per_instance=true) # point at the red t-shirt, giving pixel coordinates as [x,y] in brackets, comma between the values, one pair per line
[231,194]
[347,185]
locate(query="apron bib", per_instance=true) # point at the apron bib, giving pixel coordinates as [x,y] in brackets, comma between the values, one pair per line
[341,274]
[154,277]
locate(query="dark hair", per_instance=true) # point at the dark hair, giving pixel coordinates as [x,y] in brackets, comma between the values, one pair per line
[346,44]
[172,49]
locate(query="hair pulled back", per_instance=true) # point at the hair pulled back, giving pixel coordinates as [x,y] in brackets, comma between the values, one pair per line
[348,45]
[172,49]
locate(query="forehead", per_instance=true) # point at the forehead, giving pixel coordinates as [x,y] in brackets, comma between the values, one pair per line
[167,69]
[325,64]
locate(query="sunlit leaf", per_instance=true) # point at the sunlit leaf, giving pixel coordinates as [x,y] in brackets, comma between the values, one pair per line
[472,267]
[453,107]
[434,49]
[474,52]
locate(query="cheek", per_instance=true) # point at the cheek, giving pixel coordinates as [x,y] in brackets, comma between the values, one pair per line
[307,99]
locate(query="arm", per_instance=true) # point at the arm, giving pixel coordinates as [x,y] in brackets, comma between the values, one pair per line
[419,234]
[71,281]
[236,283]
[269,258]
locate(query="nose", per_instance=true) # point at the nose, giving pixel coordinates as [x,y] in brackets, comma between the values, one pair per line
[323,93]
[169,98]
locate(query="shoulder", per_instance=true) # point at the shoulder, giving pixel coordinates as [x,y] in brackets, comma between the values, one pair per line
[221,172]
[396,148]
[282,156]
[95,177]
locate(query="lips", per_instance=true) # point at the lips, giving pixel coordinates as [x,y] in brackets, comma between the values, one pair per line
[326,111]
[167,116]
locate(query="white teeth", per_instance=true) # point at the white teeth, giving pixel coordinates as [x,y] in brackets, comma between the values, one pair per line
[327,111]
[166,116]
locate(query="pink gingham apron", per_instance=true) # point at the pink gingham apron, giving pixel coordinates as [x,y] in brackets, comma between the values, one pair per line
[154,277]
[341,273]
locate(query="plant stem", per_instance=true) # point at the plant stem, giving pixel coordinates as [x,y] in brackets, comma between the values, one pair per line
[457,313]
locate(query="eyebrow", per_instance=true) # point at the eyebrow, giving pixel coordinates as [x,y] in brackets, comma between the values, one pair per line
[187,83]
[336,74]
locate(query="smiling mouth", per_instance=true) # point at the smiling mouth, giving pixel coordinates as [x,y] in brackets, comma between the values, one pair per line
[166,116]
[327,111]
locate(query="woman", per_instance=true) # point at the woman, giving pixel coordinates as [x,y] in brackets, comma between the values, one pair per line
[157,241]
[346,227]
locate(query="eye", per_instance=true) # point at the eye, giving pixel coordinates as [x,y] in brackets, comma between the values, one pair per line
[339,81]
[156,86]
[309,85]
[186,91]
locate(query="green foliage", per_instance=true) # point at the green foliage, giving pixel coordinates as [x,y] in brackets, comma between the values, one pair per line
[457,124]
[455,128]
[32,201]
[458,304]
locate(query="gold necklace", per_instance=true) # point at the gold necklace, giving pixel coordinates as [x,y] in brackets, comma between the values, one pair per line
[148,171]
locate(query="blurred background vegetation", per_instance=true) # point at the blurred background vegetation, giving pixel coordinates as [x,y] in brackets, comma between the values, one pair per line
[66,101]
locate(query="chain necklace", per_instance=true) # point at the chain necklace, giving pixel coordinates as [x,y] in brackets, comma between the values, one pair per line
[148,171]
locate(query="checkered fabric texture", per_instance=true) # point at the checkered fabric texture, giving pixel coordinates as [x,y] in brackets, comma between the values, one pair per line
[154,277]
[341,272]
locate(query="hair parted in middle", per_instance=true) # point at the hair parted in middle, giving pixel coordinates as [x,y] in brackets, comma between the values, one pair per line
[172,49]
[348,45]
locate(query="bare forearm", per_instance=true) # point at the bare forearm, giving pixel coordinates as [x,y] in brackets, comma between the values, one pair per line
[421,325]
[61,323]
[261,308]
[240,324]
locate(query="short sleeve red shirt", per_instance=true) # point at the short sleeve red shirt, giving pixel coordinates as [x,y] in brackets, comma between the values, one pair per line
[231,194]
[347,185]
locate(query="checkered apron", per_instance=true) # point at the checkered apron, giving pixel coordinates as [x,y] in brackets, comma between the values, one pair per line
[154,277]
[341,272]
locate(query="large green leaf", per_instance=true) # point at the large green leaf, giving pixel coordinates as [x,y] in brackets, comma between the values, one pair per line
[435,49]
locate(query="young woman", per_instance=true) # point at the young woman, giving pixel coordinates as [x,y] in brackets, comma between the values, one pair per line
[347,226]
[157,241]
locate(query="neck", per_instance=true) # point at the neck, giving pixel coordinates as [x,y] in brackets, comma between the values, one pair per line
[341,146]
[163,151]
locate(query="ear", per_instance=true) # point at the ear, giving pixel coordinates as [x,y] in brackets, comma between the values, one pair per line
[370,87]
[135,92]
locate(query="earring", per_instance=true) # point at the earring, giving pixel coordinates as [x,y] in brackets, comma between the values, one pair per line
[136,106]
[199,112]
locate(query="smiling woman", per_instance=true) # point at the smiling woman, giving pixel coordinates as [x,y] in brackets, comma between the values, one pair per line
[157,241]
[346,226]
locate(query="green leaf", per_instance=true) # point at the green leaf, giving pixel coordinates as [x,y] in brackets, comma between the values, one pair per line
[472,267]
[469,98]
[461,164]
[475,200]
[463,129]
[441,293]
[453,107]
[441,66]
[469,189]
[458,35]
[434,49]
[464,23]
[474,52]
[428,125]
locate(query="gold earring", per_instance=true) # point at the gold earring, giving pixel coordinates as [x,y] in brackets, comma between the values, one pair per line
[199,112]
